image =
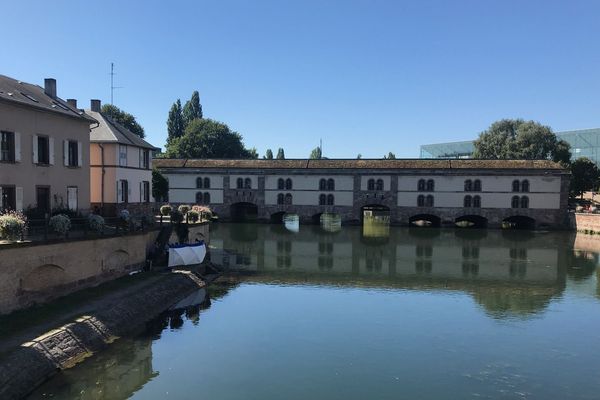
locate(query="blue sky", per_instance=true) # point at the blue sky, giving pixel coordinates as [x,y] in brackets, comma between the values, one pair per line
[365,76]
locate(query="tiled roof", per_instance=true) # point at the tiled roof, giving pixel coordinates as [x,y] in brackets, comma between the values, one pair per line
[111,131]
[356,164]
[27,94]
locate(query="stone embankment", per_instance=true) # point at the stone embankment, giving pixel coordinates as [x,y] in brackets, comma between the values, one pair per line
[29,365]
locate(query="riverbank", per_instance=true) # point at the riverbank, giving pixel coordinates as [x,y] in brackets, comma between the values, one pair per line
[29,358]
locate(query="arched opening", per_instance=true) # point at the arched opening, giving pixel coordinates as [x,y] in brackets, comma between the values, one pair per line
[280,184]
[43,277]
[471,221]
[206,183]
[375,221]
[239,183]
[331,222]
[379,184]
[316,219]
[277,218]
[518,222]
[425,220]
[243,212]
[288,184]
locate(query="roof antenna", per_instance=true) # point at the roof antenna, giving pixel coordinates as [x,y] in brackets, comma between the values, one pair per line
[112,86]
[321,147]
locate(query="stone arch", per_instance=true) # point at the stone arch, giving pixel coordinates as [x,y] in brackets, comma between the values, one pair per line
[43,277]
[243,211]
[277,217]
[471,221]
[425,220]
[116,261]
[519,222]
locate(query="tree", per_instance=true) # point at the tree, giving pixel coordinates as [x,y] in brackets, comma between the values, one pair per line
[253,153]
[390,156]
[268,155]
[123,118]
[584,176]
[316,154]
[280,154]
[160,186]
[192,109]
[358,156]
[206,138]
[175,125]
[521,140]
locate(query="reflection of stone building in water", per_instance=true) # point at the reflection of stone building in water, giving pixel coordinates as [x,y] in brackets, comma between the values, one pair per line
[517,272]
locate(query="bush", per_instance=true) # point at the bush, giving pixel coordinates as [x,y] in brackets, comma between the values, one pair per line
[193,216]
[60,224]
[96,223]
[184,208]
[12,225]
[166,210]
[148,220]
[206,211]
[176,217]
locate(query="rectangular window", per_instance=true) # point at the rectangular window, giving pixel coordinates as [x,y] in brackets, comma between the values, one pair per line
[124,191]
[72,198]
[7,146]
[122,155]
[146,191]
[42,194]
[43,150]
[73,155]
[8,199]
[146,159]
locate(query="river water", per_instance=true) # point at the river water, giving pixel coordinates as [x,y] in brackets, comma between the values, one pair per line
[369,313]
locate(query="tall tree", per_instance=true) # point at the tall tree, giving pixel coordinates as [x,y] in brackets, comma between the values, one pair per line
[160,186]
[316,154]
[192,109]
[206,138]
[584,176]
[522,140]
[390,156]
[123,118]
[280,154]
[268,155]
[358,156]
[175,125]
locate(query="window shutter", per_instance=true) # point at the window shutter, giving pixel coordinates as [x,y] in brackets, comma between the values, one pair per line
[35,149]
[118,192]
[140,158]
[79,155]
[51,150]
[65,153]
[141,191]
[17,147]
[19,198]
[1,200]
[128,189]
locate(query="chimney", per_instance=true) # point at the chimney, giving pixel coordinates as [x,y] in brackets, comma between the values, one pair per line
[72,102]
[50,87]
[95,105]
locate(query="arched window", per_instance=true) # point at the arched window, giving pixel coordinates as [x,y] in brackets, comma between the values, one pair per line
[323,184]
[199,198]
[525,186]
[467,201]
[476,201]
[421,201]
[421,185]
[429,201]
[468,185]
[247,183]
[288,184]
[330,184]
[322,200]
[515,186]
[199,183]
[514,203]
[330,200]
[524,202]
[240,183]
[280,184]
[206,198]
[379,184]
[371,184]
[288,198]
[206,183]
[477,185]
[280,198]
[430,185]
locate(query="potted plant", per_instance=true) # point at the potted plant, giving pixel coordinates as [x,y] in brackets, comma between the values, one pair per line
[12,225]
[60,224]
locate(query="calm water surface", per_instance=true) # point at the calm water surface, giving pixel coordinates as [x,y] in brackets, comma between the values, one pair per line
[370,314]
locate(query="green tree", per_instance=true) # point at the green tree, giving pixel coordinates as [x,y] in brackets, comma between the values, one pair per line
[390,156]
[123,118]
[316,154]
[175,125]
[280,154]
[253,153]
[521,140]
[206,138]
[268,155]
[160,186]
[358,156]
[192,109]
[584,176]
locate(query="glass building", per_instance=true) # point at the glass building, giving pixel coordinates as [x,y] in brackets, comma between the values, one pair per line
[584,143]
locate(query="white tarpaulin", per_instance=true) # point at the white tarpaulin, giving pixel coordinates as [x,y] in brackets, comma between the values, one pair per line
[186,254]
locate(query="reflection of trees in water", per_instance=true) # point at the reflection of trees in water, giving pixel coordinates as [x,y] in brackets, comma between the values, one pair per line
[581,264]
[507,301]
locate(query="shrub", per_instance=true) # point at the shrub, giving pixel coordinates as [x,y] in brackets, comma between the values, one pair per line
[148,220]
[176,217]
[124,215]
[193,216]
[12,225]
[166,210]
[96,223]
[203,210]
[184,208]
[60,224]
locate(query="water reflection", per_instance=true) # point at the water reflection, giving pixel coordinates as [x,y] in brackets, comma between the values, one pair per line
[508,274]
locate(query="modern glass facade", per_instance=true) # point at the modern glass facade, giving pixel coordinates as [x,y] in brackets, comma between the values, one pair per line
[584,143]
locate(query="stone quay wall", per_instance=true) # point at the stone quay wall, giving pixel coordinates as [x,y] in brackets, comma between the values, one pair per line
[585,222]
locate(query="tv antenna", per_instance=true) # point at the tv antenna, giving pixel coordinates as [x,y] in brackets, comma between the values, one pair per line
[112,84]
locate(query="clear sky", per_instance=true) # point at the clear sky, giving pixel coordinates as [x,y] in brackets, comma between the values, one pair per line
[365,76]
